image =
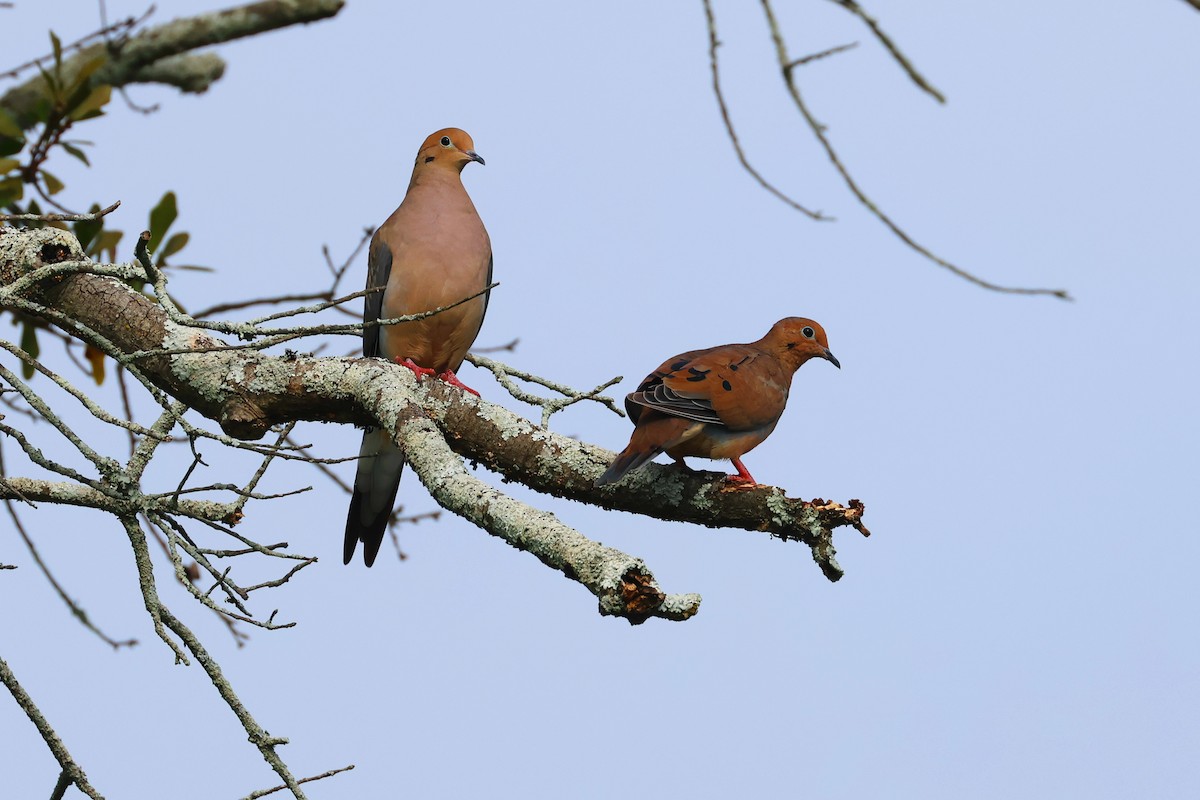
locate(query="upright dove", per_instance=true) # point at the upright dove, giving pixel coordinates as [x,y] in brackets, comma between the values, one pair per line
[432,251]
[718,403]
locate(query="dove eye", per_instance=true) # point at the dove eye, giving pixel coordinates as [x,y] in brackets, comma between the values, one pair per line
[445,141]
[808,332]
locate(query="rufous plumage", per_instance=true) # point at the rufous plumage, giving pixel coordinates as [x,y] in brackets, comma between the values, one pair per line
[721,402]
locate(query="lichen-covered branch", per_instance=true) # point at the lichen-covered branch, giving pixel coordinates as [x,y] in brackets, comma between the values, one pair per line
[622,583]
[157,55]
[70,769]
[247,392]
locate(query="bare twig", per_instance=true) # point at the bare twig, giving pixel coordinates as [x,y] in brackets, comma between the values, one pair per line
[75,609]
[281,787]
[504,374]
[238,305]
[122,27]
[507,347]
[57,748]
[819,131]
[60,217]
[161,54]
[841,48]
[917,78]
[713,44]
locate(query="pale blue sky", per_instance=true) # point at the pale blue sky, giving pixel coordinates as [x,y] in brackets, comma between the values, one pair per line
[1021,624]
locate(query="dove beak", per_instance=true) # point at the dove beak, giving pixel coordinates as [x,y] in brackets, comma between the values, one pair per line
[828,356]
[471,154]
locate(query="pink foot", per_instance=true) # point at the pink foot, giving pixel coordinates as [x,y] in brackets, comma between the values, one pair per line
[418,370]
[449,377]
[743,476]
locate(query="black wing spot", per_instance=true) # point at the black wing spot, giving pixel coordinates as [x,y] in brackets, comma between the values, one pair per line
[725,385]
[679,365]
[733,367]
[428,159]
[699,377]
[698,374]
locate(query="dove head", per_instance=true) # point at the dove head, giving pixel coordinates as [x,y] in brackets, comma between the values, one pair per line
[449,148]
[797,339]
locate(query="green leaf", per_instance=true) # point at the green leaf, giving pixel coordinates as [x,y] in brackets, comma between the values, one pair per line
[57,45]
[176,243]
[75,151]
[8,164]
[11,190]
[42,108]
[53,90]
[107,242]
[10,146]
[53,184]
[29,344]
[9,126]
[90,106]
[161,218]
[86,71]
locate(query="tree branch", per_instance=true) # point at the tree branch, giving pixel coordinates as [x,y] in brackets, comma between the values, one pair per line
[247,392]
[72,770]
[156,54]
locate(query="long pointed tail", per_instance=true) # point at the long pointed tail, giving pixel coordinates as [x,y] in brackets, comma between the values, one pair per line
[375,484]
[629,458]
[653,434]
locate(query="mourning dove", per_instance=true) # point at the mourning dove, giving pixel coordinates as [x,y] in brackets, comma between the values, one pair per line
[718,403]
[431,252]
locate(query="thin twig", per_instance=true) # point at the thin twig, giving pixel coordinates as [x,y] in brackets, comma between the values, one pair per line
[713,44]
[123,26]
[819,131]
[281,787]
[60,217]
[917,78]
[841,48]
[504,373]
[238,305]
[57,748]
[75,609]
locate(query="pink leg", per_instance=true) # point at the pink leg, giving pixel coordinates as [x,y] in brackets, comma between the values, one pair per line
[419,371]
[449,377]
[743,475]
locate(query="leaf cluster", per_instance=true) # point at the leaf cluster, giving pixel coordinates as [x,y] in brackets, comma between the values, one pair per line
[67,99]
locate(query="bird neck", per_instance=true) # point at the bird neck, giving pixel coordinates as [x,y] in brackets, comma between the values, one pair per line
[434,174]
[790,359]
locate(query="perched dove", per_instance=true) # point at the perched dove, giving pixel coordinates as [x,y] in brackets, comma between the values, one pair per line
[718,403]
[431,252]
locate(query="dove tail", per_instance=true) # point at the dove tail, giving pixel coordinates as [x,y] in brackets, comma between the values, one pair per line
[630,458]
[653,434]
[375,484]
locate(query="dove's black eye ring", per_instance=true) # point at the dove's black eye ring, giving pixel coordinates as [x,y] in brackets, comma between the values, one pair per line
[808,332]
[445,141]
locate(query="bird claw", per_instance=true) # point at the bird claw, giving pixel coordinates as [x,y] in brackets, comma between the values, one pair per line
[417,369]
[449,377]
[743,479]
[737,483]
